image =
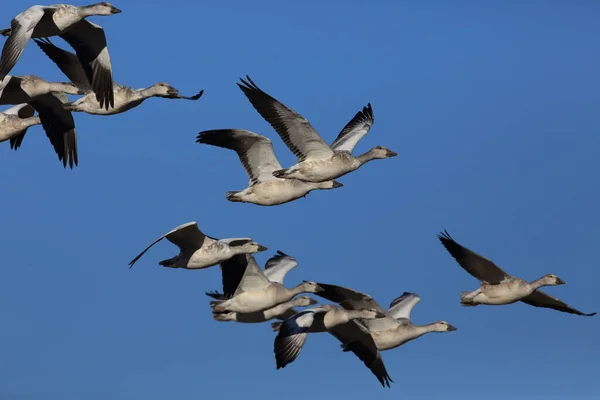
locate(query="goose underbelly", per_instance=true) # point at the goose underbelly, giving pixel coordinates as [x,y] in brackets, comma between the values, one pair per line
[254,301]
[502,294]
[206,257]
[387,340]
[323,170]
[277,192]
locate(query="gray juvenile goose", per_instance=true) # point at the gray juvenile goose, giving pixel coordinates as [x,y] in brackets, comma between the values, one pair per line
[499,288]
[316,160]
[68,22]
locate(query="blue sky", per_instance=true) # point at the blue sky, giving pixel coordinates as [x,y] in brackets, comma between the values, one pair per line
[493,111]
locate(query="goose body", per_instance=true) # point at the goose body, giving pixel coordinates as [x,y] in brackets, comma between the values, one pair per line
[499,288]
[280,311]
[68,22]
[198,251]
[255,291]
[259,161]
[16,120]
[316,160]
[124,97]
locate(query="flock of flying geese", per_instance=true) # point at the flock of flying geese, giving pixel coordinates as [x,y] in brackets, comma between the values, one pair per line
[250,294]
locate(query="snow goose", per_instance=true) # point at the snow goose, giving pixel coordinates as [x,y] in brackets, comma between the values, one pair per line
[323,318]
[366,338]
[47,98]
[316,161]
[255,292]
[15,121]
[276,268]
[68,22]
[499,288]
[259,161]
[124,97]
[197,250]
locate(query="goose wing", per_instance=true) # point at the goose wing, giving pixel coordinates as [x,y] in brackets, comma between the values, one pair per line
[356,338]
[253,278]
[254,151]
[401,306]
[232,271]
[354,130]
[21,28]
[68,63]
[295,131]
[349,299]
[23,110]
[187,237]
[59,126]
[541,299]
[292,335]
[89,42]
[277,267]
[476,265]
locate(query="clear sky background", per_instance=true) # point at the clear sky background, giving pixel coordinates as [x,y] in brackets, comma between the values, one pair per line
[493,109]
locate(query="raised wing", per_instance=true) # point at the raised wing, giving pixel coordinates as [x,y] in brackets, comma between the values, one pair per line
[277,267]
[354,130]
[59,126]
[292,336]
[232,271]
[187,237]
[357,339]
[541,299]
[89,42]
[254,151]
[476,265]
[349,299]
[253,278]
[401,306]
[22,27]
[295,131]
[68,63]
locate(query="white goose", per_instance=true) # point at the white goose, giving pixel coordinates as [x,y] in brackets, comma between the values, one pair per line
[259,161]
[197,250]
[254,291]
[323,318]
[47,98]
[68,22]
[124,98]
[15,121]
[316,161]
[275,270]
[366,338]
[499,288]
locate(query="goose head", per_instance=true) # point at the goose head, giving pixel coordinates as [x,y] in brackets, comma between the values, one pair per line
[304,301]
[443,326]
[243,246]
[372,313]
[382,152]
[311,287]
[329,185]
[102,8]
[552,280]
[162,89]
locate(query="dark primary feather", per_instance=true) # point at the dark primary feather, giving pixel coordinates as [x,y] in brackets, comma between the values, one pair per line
[232,271]
[68,63]
[273,261]
[362,118]
[399,299]
[476,265]
[541,299]
[349,299]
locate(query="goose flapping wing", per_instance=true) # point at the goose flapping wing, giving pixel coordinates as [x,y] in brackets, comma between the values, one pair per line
[253,279]
[354,130]
[232,271]
[348,299]
[356,338]
[89,42]
[277,267]
[21,28]
[59,126]
[295,131]
[293,332]
[401,306]
[68,63]
[254,151]
[187,237]
[541,299]
[476,265]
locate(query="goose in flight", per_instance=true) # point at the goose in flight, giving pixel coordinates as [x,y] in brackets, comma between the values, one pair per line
[15,121]
[257,290]
[47,98]
[497,287]
[259,161]
[316,160]
[276,268]
[124,97]
[293,331]
[197,250]
[366,338]
[68,22]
